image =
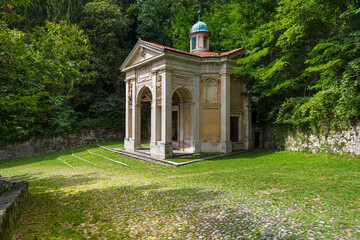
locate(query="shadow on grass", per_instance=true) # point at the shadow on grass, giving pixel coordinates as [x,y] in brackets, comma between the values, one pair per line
[250,155]
[60,181]
[126,211]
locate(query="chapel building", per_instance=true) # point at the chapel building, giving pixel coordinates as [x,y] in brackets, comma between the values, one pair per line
[197,101]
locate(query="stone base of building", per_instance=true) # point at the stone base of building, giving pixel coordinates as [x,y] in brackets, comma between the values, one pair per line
[226,147]
[248,145]
[237,146]
[197,147]
[212,147]
[131,145]
[161,150]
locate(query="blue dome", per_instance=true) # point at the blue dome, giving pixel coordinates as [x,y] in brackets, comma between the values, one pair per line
[199,27]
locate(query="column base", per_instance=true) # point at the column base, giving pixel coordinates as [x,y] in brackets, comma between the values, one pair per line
[131,145]
[248,144]
[161,150]
[197,147]
[154,150]
[226,147]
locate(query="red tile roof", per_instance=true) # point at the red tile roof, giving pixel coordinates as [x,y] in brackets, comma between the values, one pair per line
[198,54]
[230,52]
[206,54]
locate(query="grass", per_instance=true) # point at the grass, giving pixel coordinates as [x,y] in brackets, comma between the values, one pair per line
[186,158]
[271,194]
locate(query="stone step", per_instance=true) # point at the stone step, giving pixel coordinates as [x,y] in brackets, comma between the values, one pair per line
[148,158]
[137,153]
[140,156]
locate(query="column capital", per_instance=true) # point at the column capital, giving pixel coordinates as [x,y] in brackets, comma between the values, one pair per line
[160,71]
[168,70]
[225,74]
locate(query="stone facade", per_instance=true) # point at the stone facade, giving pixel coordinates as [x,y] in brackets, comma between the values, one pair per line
[195,97]
[344,142]
[42,145]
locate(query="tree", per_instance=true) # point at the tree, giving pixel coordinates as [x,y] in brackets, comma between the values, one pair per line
[335,62]
[38,72]
[283,67]
[38,11]
[7,13]
[108,29]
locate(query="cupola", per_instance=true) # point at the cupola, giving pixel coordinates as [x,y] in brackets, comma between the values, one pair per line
[199,36]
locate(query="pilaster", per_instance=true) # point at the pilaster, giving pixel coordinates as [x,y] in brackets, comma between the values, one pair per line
[135,140]
[127,110]
[226,145]
[195,134]
[128,143]
[153,109]
[247,140]
[166,149]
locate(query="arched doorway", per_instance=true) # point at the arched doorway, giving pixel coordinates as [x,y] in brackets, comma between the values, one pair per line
[181,134]
[144,117]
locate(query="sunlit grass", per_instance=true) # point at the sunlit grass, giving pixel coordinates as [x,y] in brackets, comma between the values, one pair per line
[75,195]
[190,157]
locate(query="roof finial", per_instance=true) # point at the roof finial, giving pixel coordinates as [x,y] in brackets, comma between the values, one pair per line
[199,12]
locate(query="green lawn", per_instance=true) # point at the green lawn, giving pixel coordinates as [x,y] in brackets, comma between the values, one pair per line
[269,194]
[187,158]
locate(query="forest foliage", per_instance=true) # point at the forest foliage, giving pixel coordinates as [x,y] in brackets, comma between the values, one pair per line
[60,59]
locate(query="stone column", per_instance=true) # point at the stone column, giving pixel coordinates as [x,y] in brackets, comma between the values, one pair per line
[181,126]
[166,149]
[127,142]
[130,142]
[247,124]
[195,128]
[226,146]
[127,123]
[153,110]
[158,121]
[133,111]
[135,119]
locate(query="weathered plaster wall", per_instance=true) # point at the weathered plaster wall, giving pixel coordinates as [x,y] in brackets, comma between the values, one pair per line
[345,142]
[42,145]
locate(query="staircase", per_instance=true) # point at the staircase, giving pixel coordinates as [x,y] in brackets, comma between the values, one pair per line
[140,155]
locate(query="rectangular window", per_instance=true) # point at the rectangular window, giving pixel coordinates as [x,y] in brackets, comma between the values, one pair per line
[194,43]
[205,42]
[257,140]
[234,129]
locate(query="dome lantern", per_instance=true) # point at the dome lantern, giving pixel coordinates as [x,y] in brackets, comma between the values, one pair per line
[199,37]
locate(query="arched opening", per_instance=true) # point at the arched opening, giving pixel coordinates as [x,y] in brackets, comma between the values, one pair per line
[144,100]
[181,134]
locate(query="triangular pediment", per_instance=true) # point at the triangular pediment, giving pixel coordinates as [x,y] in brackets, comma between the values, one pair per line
[140,53]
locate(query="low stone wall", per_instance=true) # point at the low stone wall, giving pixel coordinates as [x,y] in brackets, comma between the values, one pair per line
[9,204]
[344,142]
[42,145]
